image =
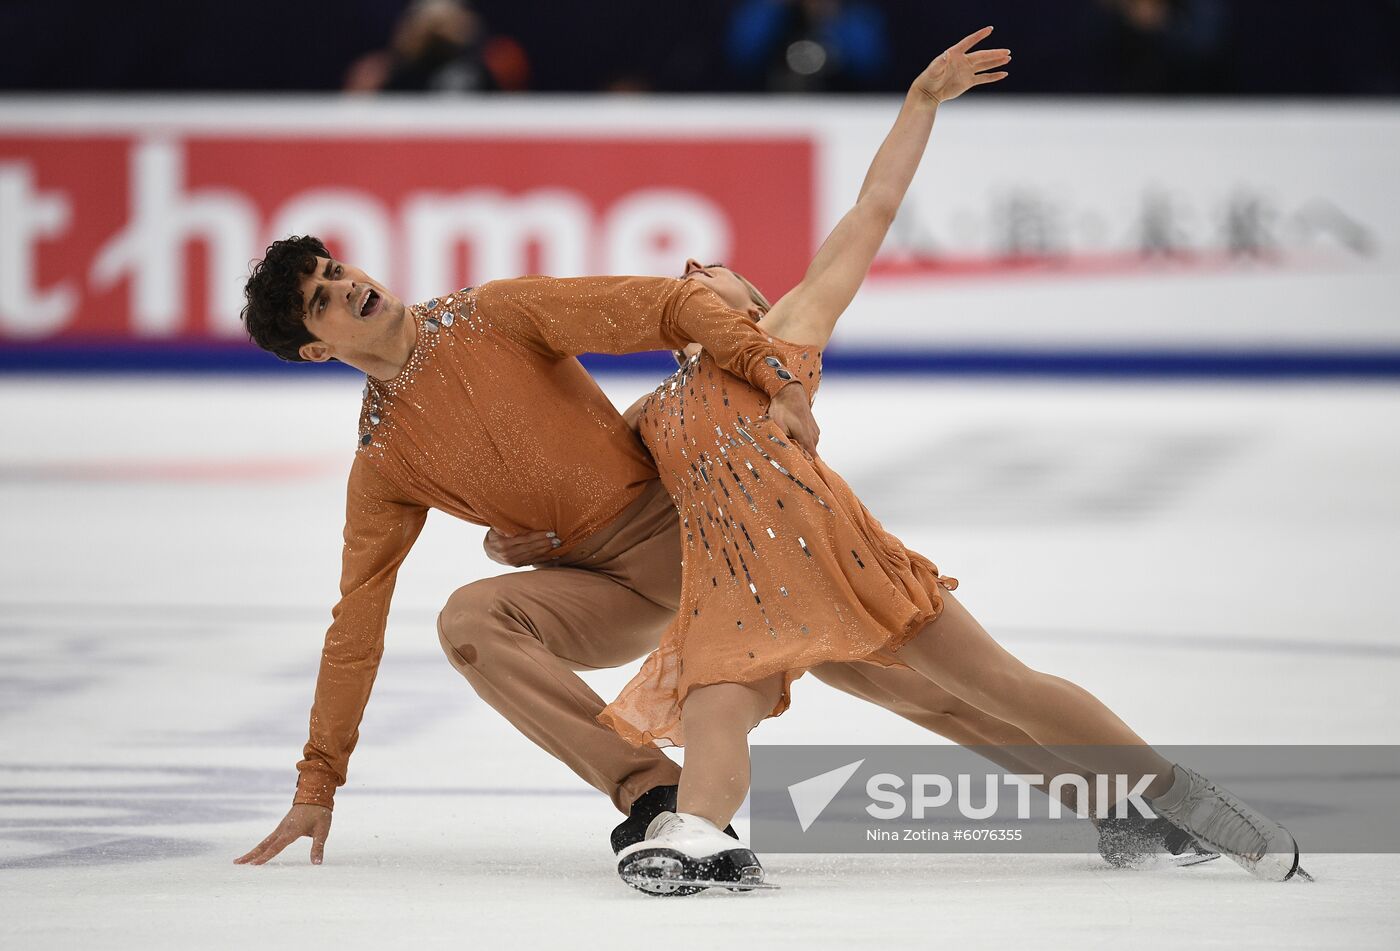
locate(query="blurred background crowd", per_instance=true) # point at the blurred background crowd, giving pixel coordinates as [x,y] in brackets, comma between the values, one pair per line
[1169,47]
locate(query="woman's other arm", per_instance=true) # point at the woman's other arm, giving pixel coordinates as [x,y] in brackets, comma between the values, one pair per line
[808,313]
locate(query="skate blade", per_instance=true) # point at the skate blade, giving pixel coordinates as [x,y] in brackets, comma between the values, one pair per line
[1188,861]
[669,875]
[1302,875]
[689,886]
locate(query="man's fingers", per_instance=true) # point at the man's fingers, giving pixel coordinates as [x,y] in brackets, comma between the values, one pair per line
[972,39]
[255,850]
[982,78]
[272,850]
[806,433]
[275,851]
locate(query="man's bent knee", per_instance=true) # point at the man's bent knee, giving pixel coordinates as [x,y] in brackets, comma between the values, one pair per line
[476,617]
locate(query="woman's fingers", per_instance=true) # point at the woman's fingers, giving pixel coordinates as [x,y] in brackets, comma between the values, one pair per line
[531,554]
[532,540]
[539,556]
[983,78]
[520,550]
[988,59]
[972,39]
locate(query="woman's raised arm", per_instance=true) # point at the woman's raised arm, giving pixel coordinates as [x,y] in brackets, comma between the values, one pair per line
[808,313]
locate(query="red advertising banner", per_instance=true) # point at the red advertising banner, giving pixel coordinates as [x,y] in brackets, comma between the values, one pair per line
[147,238]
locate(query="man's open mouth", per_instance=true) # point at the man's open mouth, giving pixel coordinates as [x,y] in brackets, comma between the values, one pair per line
[370,305]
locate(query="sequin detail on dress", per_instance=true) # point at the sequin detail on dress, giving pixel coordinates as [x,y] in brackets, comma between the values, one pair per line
[783,568]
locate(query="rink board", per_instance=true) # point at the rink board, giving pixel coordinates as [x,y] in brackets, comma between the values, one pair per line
[1122,236]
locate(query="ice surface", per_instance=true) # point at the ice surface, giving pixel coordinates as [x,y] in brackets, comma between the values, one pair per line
[171,551]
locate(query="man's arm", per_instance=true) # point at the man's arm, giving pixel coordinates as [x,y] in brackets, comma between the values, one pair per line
[567,317]
[379,531]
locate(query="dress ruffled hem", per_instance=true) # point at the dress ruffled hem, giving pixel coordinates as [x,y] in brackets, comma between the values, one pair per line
[651,681]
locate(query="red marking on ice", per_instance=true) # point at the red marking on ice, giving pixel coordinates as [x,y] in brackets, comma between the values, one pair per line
[169,470]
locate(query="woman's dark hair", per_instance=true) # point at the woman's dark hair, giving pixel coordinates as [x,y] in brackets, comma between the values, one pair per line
[274,308]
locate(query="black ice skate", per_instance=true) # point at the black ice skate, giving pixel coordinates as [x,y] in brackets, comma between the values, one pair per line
[684,854]
[1218,819]
[648,806]
[1135,841]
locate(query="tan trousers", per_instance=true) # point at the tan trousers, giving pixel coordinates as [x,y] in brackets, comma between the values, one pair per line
[519,639]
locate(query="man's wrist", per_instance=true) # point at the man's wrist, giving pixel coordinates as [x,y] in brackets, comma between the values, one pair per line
[773,377]
[315,787]
[300,800]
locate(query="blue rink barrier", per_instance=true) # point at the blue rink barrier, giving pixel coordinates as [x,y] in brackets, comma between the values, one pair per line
[125,358]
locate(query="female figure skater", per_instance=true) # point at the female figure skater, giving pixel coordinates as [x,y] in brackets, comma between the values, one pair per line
[784,569]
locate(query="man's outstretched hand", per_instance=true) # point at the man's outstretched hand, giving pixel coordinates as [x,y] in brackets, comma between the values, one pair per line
[301,820]
[793,415]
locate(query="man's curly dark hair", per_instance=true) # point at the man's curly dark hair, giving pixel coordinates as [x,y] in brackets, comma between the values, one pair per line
[274,308]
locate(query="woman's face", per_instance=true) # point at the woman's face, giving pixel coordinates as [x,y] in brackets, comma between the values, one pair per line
[725,283]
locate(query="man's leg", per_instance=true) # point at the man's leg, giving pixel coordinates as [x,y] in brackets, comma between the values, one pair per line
[919,700]
[519,638]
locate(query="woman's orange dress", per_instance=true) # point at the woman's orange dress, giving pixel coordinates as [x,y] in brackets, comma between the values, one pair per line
[784,568]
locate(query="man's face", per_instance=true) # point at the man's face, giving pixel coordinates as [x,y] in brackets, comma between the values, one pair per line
[346,310]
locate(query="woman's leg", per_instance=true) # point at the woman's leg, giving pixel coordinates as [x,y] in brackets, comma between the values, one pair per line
[956,653]
[716,720]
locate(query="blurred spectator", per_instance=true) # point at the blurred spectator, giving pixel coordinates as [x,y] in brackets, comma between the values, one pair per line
[808,45]
[442,46]
[1235,47]
[1168,46]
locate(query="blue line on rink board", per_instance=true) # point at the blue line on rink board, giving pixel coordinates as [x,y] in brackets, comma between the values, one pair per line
[122,357]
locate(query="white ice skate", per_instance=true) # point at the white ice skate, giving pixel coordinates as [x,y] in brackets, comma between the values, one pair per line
[1219,820]
[684,854]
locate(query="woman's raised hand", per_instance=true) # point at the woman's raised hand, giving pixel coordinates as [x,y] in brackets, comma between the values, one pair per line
[956,70]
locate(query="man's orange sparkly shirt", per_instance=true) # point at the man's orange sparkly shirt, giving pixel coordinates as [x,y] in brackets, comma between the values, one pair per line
[495,421]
